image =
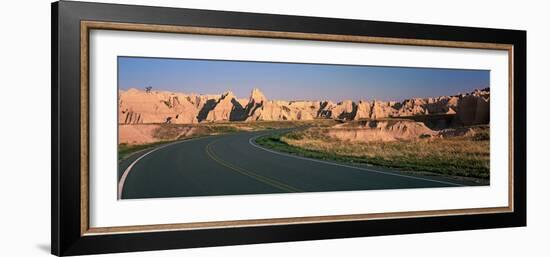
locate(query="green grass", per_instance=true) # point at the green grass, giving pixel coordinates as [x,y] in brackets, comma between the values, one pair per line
[125,150]
[463,156]
[266,125]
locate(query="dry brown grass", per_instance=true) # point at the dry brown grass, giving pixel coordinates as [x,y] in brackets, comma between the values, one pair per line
[462,156]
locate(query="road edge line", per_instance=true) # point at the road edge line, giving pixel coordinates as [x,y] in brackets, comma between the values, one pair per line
[129,168]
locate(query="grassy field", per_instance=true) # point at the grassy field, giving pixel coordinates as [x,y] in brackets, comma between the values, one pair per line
[466,156]
[167,133]
[125,150]
[172,131]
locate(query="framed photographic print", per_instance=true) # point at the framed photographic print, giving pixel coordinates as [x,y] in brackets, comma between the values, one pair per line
[177,128]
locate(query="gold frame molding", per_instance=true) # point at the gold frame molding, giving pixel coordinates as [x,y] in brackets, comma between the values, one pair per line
[86,26]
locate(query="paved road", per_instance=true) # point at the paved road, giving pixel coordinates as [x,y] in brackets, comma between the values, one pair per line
[233,165]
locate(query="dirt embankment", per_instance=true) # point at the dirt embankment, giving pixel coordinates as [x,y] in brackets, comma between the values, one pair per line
[393,130]
[137,134]
[382,131]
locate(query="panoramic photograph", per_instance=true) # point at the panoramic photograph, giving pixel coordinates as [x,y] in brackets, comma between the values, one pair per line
[191,127]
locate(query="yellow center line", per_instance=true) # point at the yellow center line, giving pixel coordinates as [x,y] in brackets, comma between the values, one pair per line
[242,171]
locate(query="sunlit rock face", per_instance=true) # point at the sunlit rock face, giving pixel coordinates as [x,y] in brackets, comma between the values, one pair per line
[145,107]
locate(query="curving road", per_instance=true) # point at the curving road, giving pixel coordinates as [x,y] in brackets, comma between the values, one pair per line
[233,164]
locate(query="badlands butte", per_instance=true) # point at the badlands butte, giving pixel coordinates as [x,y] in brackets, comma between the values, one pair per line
[141,107]
[445,135]
[145,115]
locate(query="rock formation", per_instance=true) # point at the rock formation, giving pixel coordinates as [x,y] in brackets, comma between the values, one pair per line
[140,107]
[227,108]
[380,109]
[344,110]
[473,108]
[363,110]
[137,107]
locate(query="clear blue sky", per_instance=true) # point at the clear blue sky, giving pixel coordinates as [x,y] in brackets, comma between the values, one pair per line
[288,81]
